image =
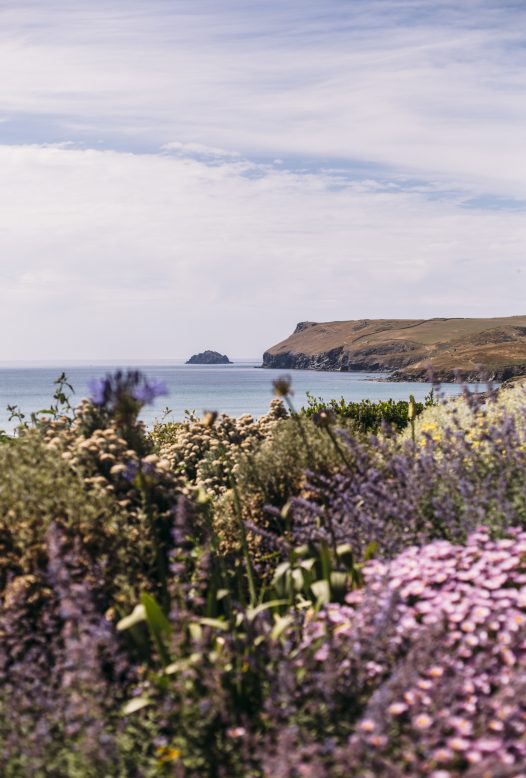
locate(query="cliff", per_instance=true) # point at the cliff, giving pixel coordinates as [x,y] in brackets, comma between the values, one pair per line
[406,348]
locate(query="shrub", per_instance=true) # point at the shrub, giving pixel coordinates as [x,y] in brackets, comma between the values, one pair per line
[450,482]
[208,451]
[421,670]
[86,517]
[61,667]
[269,476]
[422,673]
[192,602]
[34,497]
[368,416]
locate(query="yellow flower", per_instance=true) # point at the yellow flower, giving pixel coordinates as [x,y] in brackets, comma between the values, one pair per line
[168,754]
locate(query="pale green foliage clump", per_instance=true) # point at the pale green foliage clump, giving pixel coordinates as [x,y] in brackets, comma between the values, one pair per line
[471,418]
[258,462]
[273,473]
[115,499]
[276,469]
[35,496]
[510,401]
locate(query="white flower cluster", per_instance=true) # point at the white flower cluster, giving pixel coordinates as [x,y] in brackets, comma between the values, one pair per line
[207,451]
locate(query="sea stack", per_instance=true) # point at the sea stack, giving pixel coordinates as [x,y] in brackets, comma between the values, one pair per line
[209,358]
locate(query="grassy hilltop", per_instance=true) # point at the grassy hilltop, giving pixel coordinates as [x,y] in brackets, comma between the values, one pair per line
[407,347]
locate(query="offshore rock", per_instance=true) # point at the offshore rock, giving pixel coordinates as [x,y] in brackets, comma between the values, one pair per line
[209,358]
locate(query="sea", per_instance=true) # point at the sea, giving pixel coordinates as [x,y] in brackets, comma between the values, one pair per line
[236,389]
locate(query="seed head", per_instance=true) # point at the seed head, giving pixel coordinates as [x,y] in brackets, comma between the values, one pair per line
[209,418]
[282,386]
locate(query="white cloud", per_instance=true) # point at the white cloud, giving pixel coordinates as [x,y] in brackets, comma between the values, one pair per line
[107,254]
[305,160]
[198,149]
[431,89]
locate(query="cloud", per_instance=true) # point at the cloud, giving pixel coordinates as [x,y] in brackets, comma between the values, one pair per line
[107,254]
[425,89]
[177,170]
[198,150]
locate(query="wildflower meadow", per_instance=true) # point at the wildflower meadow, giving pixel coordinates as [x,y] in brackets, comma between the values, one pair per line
[337,590]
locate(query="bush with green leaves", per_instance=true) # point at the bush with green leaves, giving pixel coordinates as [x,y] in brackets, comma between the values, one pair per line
[207,451]
[86,519]
[368,415]
[201,602]
[267,477]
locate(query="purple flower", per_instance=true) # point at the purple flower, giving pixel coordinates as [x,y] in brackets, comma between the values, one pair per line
[132,469]
[122,394]
[147,391]
[98,388]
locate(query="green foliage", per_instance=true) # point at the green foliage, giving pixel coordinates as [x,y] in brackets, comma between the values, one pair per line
[268,476]
[207,451]
[276,468]
[216,672]
[223,558]
[317,574]
[35,496]
[368,416]
[61,408]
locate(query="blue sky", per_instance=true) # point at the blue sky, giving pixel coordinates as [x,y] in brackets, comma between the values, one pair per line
[180,175]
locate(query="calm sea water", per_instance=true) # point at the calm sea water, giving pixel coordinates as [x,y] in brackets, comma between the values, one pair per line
[233,389]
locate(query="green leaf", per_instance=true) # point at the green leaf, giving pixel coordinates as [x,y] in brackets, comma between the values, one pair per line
[322,591]
[338,582]
[253,612]
[297,579]
[280,571]
[137,615]
[154,615]
[195,631]
[301,552]
[203,498]
[282,622]
[325,559]
[176,667]
[217,623]
[345,555]
[158,625]
[138,703]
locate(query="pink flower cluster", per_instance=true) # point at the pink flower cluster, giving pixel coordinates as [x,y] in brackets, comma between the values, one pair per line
[438,640]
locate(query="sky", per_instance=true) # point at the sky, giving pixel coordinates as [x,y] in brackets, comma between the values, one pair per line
[178,175]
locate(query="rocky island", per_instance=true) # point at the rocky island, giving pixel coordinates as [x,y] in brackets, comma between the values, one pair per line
[406,348]
[209,358]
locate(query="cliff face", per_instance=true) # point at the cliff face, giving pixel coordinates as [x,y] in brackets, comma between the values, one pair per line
[407,347]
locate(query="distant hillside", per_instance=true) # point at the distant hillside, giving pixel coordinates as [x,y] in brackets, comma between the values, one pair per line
[406,347]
